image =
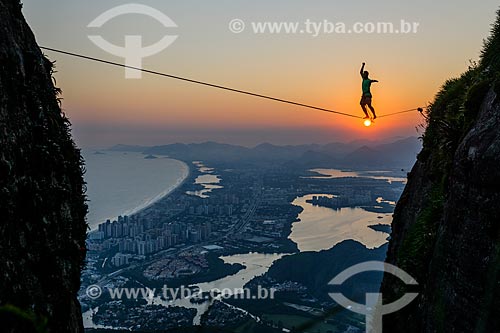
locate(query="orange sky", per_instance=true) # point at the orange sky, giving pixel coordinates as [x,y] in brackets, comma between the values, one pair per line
[321,71]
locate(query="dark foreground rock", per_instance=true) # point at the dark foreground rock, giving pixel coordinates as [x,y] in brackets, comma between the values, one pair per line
[42,206]
[446,228]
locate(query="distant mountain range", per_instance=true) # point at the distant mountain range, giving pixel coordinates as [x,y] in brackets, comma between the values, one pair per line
[360,154]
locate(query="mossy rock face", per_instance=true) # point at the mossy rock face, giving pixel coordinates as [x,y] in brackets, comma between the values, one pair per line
[446,230]
[43,228]
[474,100]
[417,247]
[19,320]
[490,56]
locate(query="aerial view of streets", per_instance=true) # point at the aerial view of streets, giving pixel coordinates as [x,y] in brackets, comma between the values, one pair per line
[237,226]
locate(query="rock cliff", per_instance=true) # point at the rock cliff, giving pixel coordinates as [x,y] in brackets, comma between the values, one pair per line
[446,227]
[42,202]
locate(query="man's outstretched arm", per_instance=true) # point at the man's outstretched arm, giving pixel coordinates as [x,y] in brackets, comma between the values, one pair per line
[362,70]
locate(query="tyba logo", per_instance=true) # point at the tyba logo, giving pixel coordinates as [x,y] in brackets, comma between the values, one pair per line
[133,51]
[373,309]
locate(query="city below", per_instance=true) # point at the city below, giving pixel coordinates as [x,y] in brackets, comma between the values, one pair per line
[220,211]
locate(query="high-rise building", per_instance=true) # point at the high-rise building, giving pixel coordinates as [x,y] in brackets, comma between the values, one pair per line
[141,247]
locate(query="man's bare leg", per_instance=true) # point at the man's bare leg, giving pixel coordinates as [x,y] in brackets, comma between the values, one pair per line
[364,110]
[373,111]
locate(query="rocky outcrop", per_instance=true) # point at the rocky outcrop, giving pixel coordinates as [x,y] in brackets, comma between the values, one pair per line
[446,227]
[42,203]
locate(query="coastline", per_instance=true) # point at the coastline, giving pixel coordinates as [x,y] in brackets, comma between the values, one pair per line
[186,171]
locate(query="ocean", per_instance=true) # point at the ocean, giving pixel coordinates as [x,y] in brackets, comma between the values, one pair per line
[122,183]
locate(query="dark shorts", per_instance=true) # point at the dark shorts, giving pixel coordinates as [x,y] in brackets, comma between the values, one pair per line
[366,100]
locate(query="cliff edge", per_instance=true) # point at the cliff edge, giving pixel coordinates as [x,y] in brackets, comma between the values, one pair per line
[446,227]
[42,202]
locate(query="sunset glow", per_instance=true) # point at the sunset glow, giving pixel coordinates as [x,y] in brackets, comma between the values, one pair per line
[322,71]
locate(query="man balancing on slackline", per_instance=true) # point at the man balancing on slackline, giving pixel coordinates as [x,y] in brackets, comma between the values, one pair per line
[366,98]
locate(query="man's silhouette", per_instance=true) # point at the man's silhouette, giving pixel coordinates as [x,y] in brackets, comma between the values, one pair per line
[366,98]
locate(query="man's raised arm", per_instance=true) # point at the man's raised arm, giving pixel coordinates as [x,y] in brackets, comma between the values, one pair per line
[362,70]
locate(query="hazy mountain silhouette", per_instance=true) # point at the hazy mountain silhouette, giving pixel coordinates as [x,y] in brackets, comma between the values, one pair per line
[397,154]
